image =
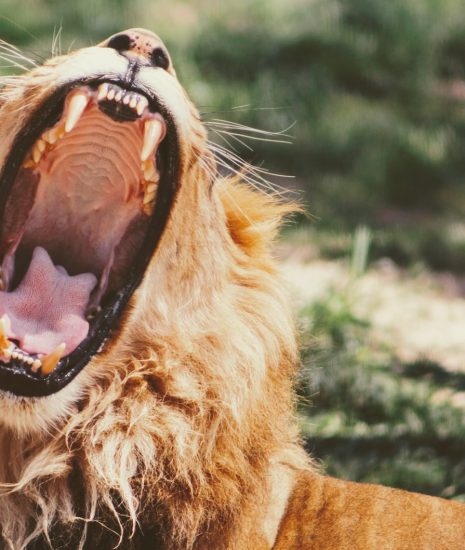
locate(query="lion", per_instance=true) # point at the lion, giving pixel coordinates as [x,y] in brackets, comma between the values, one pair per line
[147,349]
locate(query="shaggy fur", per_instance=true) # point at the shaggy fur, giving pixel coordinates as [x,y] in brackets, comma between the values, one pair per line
[178,420]
[181,433]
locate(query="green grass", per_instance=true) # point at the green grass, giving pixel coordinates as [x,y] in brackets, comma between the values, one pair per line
[415,242]
[367,416]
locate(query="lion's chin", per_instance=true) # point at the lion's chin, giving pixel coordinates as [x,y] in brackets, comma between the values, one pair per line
[27,416]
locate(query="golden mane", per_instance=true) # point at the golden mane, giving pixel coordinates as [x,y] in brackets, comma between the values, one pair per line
[190,423]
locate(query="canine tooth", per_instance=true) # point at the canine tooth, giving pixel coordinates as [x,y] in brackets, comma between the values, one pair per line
[50,361]
[77,104]
[141,105]
[111,94]
[5,344]
[36,364]
[152,133]
[102,91]
[41,145]
[133,101]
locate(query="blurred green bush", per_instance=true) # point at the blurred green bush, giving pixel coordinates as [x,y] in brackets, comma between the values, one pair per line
[374,88]
[369,417]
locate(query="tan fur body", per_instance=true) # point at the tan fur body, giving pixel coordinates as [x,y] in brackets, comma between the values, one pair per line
[330,514]
[181,434]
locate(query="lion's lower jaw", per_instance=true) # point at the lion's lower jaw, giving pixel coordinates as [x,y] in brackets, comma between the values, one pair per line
[31,416]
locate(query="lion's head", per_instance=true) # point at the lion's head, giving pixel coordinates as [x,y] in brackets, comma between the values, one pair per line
[146,349]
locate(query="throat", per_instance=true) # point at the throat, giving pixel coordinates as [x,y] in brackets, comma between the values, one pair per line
[88,200]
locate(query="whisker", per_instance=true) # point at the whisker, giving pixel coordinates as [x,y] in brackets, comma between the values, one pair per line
[239,108]
[15,52]
[247,174]
[252,167]
[14,63]
[254,138]
[252,174]
[226,124]
[221,136]
[56,40]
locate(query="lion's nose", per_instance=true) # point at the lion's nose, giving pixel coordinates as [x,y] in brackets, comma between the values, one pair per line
[142,45]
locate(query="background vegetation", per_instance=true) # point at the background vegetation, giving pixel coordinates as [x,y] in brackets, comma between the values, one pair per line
[372,93]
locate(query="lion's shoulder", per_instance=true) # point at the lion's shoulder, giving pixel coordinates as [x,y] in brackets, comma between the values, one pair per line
[326,513]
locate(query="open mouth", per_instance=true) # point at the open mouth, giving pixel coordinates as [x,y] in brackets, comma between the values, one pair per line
[85,193]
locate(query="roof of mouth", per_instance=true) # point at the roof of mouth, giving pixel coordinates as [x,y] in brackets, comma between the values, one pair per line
[94,178]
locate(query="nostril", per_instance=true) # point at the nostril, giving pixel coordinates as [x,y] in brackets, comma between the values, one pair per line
[120,43]
[159,58]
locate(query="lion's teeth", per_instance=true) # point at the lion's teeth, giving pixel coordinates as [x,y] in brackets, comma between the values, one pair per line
[102,91]
[5,344]
[149,197]
[76,107]
[133,101]
[41,145]
[151,188]
[93,312]
[149,170]
[126,99]
[46,136]
[111,94]
[50,361]
[141,105]
[36,153]
[118,96]
[36,364]
[53,135]
[153,133]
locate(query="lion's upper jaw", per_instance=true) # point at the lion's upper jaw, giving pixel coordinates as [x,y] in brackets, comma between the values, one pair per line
[85,73]
[193,389]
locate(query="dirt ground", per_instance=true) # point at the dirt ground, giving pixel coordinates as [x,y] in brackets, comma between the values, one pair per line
[418,315]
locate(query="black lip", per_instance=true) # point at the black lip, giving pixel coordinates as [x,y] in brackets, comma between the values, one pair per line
[17,379]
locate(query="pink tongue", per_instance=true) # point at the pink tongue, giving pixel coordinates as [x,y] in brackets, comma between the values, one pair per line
[48,307]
